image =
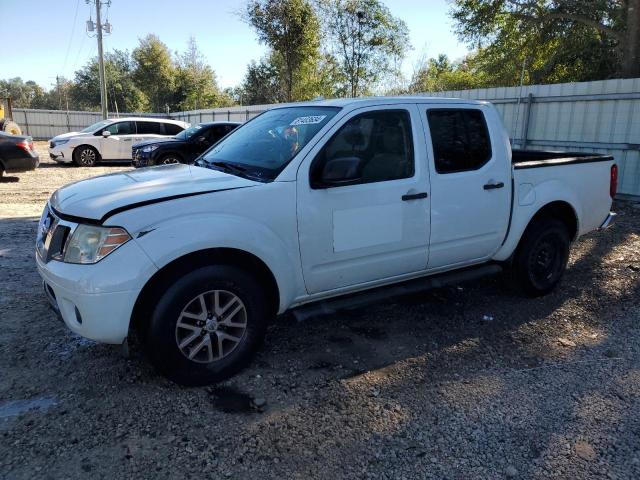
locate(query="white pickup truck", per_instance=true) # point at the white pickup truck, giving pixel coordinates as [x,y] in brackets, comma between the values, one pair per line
[310,208]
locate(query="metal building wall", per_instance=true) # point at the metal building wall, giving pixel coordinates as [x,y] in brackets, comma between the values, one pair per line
[601,116]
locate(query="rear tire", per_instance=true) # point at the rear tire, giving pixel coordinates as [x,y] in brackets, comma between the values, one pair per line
[85,156]
[541,258]
[217,315]
[10,127]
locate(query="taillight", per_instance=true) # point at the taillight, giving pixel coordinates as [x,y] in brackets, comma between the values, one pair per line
[613,183]
[25,145]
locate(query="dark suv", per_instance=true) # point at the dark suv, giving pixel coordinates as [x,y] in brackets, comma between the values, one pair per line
[183,148]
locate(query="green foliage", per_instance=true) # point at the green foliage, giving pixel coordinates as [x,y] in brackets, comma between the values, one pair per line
[367,41]
[154,72]
[24,94]
[558,41]
[291,29]
[195,81]
[262,84]
[440,74]
[123,95]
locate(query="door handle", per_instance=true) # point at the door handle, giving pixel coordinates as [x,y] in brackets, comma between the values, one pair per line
[492,186]
[414,196]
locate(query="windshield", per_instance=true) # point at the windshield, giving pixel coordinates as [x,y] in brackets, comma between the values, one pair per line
[96,126]
[265,145]
[189,132]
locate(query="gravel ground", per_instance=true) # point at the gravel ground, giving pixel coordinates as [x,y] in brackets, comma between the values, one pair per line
[465,382]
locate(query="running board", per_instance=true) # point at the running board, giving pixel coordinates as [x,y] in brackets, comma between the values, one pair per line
[367,297]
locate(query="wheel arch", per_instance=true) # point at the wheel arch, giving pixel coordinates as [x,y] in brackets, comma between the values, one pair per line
[76,148]
[560,210]
[186,263]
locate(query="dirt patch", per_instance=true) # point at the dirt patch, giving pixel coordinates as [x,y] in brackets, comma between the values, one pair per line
[422,387]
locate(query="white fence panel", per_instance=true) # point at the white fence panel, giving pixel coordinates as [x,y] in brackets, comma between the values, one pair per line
[46,124]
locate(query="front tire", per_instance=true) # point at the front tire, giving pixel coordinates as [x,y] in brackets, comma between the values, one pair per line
[169,159]
[541,257]
[207,325]
[85,156]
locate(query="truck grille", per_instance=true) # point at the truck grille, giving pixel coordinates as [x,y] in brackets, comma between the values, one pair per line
[52,236]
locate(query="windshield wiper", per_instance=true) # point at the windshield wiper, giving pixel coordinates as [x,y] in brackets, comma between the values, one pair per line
[230,167]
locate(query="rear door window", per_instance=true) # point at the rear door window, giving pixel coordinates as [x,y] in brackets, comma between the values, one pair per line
[460,139]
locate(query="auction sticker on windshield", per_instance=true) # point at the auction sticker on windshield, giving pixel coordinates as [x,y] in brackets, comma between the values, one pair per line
[309,120]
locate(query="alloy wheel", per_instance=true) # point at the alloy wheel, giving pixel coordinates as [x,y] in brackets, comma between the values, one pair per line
[87,157]
[211,326]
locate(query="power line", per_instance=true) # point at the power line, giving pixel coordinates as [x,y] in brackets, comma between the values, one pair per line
[73,31]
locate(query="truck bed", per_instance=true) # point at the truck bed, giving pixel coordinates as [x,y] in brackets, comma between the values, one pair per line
[539,158]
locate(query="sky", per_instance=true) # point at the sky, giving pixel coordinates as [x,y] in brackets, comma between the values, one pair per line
[48,37]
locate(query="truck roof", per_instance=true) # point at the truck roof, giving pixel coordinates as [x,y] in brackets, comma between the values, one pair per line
[371,101]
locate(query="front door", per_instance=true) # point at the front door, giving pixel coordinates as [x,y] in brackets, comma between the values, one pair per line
[117,146]
[375,224]
[470,185]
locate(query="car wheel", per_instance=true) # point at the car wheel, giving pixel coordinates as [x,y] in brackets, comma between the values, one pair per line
[85,156]
[541,257]
[207,325]
[169,159]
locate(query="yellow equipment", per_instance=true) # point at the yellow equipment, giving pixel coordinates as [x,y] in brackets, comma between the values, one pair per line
[7,125]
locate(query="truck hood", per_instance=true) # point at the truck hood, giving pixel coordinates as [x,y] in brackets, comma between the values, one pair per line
[100,197]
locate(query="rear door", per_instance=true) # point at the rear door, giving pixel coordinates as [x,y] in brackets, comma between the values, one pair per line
[470,185]
[148,130]
[373,228]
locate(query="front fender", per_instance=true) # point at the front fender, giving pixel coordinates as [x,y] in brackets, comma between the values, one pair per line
[170,240]
[528,201]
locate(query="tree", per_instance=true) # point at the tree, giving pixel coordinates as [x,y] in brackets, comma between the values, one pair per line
[366,40]
[123,95]
[291,29]
[262,84]
[196,85]
[559,40]
[440,74]
[23,94]
[154,72]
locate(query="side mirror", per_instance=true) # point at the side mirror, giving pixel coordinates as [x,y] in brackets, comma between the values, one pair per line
[106,133]
[341,171]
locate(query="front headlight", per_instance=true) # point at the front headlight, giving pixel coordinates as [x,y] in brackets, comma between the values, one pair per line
[149,148]
[90,244]
[57,143]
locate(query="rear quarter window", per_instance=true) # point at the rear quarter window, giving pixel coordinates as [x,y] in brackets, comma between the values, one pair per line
[172,129]
[149,128]
[460,139]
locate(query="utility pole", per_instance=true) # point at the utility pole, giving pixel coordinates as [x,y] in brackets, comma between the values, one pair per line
[59,96]
[103,85]
[99,27]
